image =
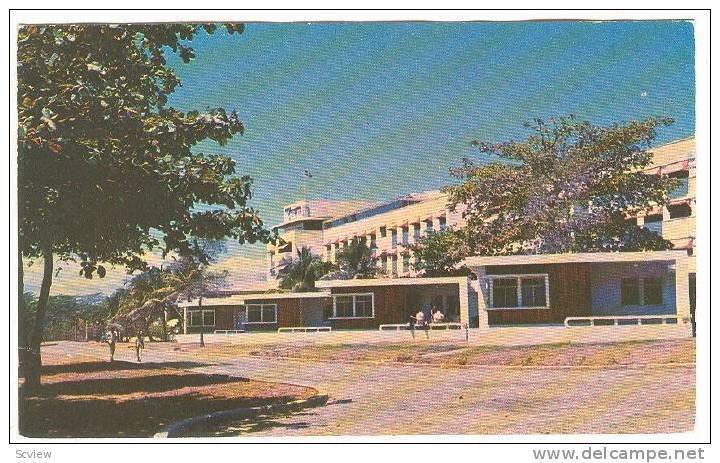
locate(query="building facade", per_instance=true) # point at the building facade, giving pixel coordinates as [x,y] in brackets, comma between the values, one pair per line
[504,290]
[388,228]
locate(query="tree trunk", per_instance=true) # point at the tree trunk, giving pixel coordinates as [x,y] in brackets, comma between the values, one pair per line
[23,344]
[164,326]
[33,370]
[202,328]
[147,331]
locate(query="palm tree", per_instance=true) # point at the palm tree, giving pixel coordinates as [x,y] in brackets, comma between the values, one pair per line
[152,293]
[356,260]
[301,273]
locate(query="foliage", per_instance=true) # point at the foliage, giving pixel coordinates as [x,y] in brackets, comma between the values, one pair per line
[439,253]
[67,317]
[356,260]
[107,171]
[569,187]
[96,141]
[149,295]
[301,273]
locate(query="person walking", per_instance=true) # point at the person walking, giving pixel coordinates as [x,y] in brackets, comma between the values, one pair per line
[139,345]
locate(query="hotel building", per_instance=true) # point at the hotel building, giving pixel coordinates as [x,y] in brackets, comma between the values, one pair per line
[505,290]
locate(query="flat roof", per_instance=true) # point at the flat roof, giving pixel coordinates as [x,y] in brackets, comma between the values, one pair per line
[580,257]
[239,299]
[389,282]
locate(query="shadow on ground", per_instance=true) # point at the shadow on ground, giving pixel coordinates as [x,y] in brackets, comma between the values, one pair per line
[233,428]
[100,366]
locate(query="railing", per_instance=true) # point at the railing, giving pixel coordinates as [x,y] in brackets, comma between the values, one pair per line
[228,331]
[431,326]
[622,320]
[306,329]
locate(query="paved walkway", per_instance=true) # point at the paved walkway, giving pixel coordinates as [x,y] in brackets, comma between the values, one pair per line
[371,399]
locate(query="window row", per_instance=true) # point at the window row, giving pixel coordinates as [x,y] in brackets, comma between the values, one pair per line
[361,305]
[518,291]
[205,317]
[641,291]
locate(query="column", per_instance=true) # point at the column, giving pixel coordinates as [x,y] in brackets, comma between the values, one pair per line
[682,288]
[482,297]
[184,320]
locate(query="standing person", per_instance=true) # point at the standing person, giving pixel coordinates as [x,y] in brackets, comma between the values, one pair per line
[421,323]
[411,325]
[139,345]
[112,340]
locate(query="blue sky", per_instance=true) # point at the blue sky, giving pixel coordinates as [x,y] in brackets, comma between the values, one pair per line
[376,110]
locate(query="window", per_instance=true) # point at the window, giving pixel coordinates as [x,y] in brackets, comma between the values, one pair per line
[630,291]
[532,292]
[654,223]
[344,306]
[652,291]
[519,291]
[681,189]
[261,313]
[428,226]
[394,264]
[373,241]
[443,223]
[405,235]
[383,232]
[364,305]
[393,237]
[360,305]
[504,292]
[208,317]
[416,232]
[679,210]
[383,261]
[406,263]
[645,291]
[201,317]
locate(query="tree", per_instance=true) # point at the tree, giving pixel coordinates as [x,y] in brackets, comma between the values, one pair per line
[357,260]
[106,169]
[151,294]
[569,187]
[300,274]
[439,253]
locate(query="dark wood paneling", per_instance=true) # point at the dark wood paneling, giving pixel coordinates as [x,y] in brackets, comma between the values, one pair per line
[569,294]
[390,304]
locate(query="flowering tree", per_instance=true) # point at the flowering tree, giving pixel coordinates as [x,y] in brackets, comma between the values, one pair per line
[569,187]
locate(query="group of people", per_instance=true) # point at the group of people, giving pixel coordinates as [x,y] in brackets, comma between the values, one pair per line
[421,322]
[112,336]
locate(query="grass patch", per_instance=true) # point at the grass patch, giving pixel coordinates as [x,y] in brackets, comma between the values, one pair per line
[568,354]
[557,354]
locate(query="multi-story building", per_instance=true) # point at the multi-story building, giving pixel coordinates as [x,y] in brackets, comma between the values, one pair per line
[617,287]
[676,220]
[389,228]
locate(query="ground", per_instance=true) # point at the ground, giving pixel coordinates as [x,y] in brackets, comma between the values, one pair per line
[84,395]
[448,387]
